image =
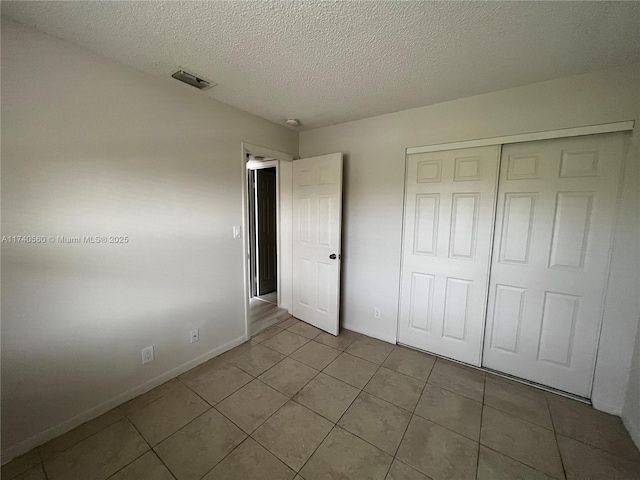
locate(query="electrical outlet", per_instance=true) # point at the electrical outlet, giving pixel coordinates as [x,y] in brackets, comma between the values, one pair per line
[195,335]
[147,355]
[376,312]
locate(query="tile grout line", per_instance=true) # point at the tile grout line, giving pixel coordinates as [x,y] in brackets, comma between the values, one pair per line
[455,393]
[212,407]
[316,449]
[447,389]
[312,366]
[42,460]
[267,419]
[479,442]
[41,463]
[555,436]
[225,397]
[247,435]
[509,456]
[637,462]
[484,392]
[242,429]
[546,393]
[361,391]
[150,450]
[285,354]
[273,453]
[395,455]
[585,443]
[511,415]
[354,356]
[249,373]
[335,424]
[413,414]
[444,427]
[125,417]
[505,454]
[291,398]
[250,435]
[223,458]
[188,423]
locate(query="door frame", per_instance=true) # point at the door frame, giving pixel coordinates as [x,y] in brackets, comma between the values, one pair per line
[615,127]
[279,159]
[251,224]
[527,137]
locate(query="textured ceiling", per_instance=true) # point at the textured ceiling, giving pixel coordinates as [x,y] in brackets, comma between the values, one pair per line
[331,62]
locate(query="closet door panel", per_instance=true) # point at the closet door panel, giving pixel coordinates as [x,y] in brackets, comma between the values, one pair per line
[448,229]
[554,226]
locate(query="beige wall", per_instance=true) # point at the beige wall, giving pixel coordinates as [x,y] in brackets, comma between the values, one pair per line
[374,180]
[91,147]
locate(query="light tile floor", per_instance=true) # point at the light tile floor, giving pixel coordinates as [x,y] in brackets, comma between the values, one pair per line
[296,403]
[265,314]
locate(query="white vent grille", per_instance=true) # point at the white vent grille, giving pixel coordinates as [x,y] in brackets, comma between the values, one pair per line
[193,80]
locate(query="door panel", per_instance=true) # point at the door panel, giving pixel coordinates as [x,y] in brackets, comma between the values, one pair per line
[266,226]
[317,220]
[554,225]
[449,209]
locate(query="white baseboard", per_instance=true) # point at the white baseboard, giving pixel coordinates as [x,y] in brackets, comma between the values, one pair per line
[30,443]
[370,333]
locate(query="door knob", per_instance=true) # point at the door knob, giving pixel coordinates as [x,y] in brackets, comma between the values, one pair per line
[333,256]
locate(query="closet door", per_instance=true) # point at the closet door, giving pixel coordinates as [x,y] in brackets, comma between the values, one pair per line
[448,228]
[554,225]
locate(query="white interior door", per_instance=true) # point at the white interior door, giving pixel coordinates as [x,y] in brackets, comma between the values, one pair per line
[448,227]
[317,221]
[555,218]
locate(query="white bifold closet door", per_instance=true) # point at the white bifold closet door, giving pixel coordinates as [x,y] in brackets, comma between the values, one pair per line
[448,228]
[554,226]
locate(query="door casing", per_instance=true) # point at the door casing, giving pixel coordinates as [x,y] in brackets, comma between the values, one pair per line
[282,161]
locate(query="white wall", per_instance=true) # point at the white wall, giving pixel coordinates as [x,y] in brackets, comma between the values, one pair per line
[374,180]
[285,274]
[631,411]
[91,147]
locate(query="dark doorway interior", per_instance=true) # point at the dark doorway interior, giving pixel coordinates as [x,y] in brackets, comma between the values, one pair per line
[263,215]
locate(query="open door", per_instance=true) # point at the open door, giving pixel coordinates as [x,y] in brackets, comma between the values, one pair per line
[266,225]
[317,231]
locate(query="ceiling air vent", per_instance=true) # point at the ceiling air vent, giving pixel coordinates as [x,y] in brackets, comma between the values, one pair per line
[193,80]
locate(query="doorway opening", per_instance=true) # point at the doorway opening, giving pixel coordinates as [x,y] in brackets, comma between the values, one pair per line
[263,252]
[267,236]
